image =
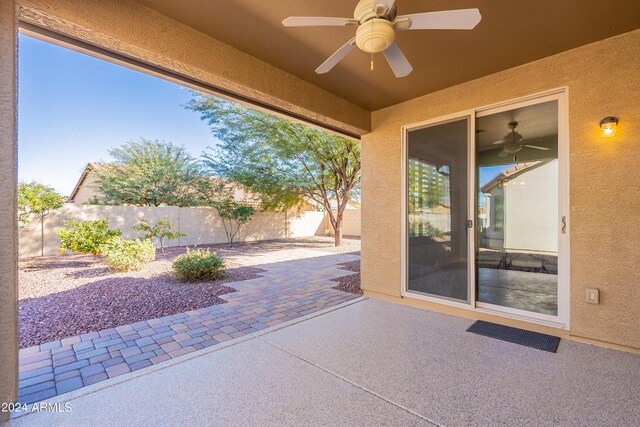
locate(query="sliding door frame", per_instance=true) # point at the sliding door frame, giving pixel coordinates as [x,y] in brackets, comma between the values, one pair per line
[562,319]
[469,115]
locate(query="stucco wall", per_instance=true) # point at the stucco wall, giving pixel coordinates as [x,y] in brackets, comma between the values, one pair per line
[531,210]
[85,192]
[8,234]
[351,223]
[132,30]
[201,225]
[603,79]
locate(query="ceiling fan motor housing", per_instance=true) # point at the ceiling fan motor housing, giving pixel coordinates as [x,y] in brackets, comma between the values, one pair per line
[375,35]
[370,9]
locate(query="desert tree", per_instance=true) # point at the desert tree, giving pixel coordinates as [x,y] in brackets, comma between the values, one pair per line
[37,200]
[151,173]
[161,230]
[233,215]
[283,162]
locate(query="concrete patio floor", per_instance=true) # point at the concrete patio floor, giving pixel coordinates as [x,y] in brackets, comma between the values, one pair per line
[367,362]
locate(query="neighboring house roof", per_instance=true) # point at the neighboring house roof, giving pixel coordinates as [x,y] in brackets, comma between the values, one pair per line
[240,195]
[510,173]
[91,166]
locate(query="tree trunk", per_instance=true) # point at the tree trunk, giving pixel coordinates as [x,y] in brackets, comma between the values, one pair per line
[41,236]
[338,230]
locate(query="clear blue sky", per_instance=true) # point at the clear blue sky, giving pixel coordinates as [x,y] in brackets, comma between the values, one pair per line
[487,173]
[73,108]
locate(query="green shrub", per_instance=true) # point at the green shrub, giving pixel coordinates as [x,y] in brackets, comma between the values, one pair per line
[199,265]
[86,237]
[126,255]
[162,229]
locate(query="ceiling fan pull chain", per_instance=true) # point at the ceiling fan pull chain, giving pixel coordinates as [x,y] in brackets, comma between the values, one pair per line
[380,37]
[372,42]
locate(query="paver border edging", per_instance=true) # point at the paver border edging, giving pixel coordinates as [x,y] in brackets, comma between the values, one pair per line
[93,388]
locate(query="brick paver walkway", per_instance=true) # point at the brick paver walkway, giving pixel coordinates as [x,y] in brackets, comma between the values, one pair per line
[297,282]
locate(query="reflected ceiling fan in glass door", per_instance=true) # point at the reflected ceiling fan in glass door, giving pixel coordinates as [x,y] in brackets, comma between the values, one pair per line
[513,143]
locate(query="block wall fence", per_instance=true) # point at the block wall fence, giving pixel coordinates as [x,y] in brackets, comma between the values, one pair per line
[201,225]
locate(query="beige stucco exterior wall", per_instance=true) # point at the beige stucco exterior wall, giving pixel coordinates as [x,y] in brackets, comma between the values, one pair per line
[603,79]
[8,234]
[85,192]
[132,30]
[531,210]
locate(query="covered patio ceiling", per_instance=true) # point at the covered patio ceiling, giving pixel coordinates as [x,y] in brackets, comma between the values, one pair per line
[511,33]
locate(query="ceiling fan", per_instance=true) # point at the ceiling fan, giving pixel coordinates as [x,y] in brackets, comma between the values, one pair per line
[376,23]
[513,142]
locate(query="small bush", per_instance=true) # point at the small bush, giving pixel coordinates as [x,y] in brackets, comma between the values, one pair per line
[162,229]
[199,265]
[86,237]
[126,255]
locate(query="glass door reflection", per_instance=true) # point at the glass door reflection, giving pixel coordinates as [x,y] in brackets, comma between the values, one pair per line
[437,194]
[517,208]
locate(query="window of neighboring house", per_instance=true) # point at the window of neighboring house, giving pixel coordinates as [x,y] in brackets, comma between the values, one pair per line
[498,212]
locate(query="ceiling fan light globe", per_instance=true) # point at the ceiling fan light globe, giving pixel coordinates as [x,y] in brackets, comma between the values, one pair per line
[375,35]
[512,149]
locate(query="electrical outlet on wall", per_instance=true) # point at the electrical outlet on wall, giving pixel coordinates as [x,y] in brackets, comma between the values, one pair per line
[593,296]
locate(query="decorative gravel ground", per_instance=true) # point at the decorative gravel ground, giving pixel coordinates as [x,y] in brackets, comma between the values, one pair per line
[350,283]
[324,244]
[292,283]
[67,295]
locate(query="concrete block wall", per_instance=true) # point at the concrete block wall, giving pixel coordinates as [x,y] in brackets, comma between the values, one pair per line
[201,225]
[350,223]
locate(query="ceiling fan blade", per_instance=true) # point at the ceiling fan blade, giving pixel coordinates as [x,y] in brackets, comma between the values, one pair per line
[388,3]
[318,21]
[537,147]
[337,56]
[503,153]
[463,19]
[398,62]
[501,141]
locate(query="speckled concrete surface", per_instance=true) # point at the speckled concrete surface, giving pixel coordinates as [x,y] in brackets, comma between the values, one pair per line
[252,383]
[373,363]
[428,363]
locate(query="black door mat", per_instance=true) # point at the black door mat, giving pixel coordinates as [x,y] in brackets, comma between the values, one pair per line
[516,336]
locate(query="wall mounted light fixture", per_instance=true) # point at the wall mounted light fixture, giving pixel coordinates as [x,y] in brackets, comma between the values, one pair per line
[608,125]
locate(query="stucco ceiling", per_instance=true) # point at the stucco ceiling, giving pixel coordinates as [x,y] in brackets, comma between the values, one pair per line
[511,33]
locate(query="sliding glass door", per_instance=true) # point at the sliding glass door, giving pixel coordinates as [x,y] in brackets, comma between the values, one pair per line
[437,206]
[485,210]
[517,208]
